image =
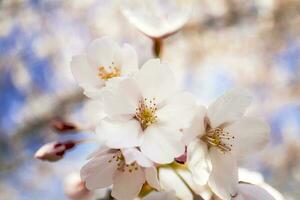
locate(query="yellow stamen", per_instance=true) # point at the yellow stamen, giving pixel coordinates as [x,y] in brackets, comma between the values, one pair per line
[218,138]
[145,113]
[113,71]
[119,159]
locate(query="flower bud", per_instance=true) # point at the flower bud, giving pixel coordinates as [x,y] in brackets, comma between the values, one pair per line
[54,151]
[62,126]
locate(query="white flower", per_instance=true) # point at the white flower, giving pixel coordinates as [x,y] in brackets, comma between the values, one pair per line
[104,62]
[156,18]
[252,192]
[127,170]
[165,195]
[148,111]
[219,135]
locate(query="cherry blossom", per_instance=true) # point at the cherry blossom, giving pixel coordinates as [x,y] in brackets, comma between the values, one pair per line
[218,136]
[102,65]
[148,111]
[126,170]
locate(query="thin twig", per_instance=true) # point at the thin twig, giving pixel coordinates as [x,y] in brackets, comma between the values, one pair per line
[157,47]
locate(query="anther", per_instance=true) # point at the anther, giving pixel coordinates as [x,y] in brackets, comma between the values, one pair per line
[113,71]
[215,138]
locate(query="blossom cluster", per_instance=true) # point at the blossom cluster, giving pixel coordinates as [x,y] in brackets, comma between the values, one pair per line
[147,121]
[143,121]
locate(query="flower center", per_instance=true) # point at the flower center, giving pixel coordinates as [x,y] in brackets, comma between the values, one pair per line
[111,72]
[218,138]
[145,113]
[121,165]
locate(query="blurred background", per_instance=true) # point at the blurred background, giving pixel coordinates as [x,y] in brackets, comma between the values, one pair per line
[227,43]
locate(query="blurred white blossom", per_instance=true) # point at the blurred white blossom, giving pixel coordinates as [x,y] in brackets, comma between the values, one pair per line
[75,188]
[157,18]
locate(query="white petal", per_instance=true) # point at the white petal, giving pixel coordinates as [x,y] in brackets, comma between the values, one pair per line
[93,112]
[197,126]
[229,107]
[101,52]
[178,111]
[251,135]
[165,195]
[152,178]
[162,145]
[94,93]
[238,197]
[98,172]
[133,154]
[156,80]
[127,185]
[223,179]
[272,191]
[169,180]
[84,74]
[115,104]
[99,152]
[252,192]
[199,162]
[122,98]
[113,83]
[129,60]
[130,91]
[119,133]
[249,176]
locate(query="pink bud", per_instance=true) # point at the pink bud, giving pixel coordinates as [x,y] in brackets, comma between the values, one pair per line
[62,126]
[182,159]
[54,151]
